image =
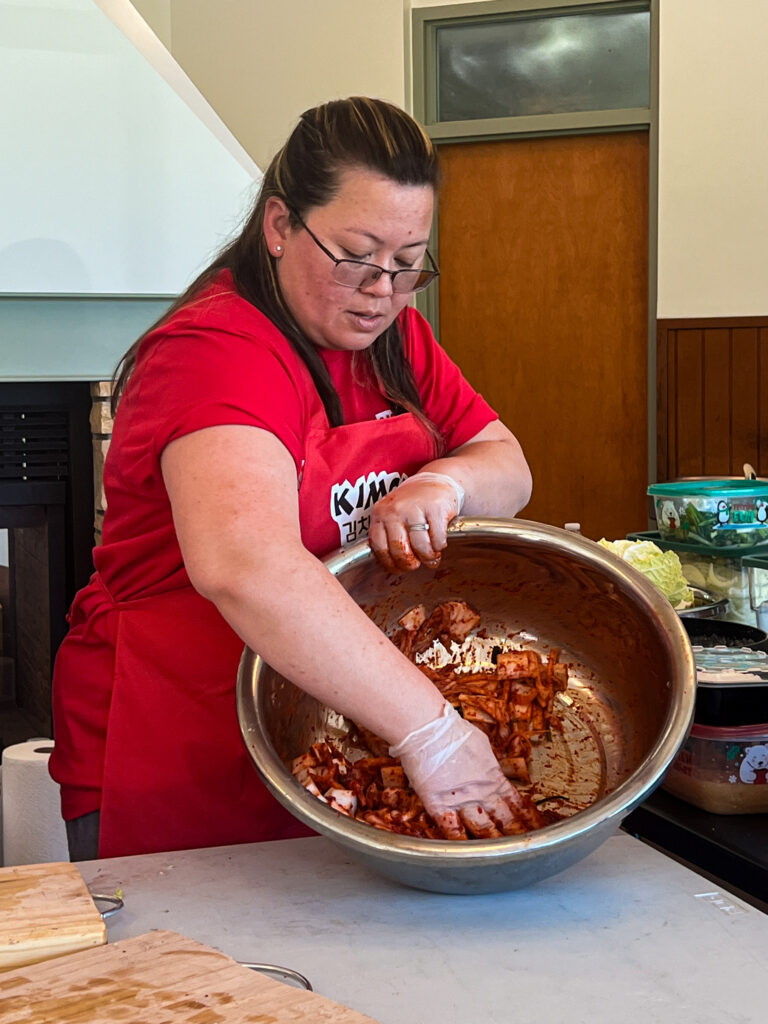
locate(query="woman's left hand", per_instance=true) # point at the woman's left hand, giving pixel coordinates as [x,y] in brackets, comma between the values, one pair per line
[409,525]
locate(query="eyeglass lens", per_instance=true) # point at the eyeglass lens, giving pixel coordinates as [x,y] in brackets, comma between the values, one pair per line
[358,275]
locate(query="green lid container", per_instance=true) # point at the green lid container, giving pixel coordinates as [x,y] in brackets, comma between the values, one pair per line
[743,551]
[713,489]
[729,515]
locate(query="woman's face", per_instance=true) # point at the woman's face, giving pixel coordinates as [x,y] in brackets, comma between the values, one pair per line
[373,219]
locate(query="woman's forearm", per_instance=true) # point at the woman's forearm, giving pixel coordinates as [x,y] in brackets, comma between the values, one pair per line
[235,507]
[339,655]
[492,470]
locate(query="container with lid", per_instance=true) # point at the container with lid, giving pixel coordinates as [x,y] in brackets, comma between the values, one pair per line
[722,770]
[731,686]
[724,633]
[728,514]
[723,765]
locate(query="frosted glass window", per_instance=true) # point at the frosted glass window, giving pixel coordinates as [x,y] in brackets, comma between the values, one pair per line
[521,66]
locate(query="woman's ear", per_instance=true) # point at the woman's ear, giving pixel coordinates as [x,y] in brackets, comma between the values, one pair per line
[276,224]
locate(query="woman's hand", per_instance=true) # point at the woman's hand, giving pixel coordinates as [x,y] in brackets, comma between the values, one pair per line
[409,525]
[450,764]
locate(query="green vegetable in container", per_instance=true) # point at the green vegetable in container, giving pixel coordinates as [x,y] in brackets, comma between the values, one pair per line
[662,568]
[726,512]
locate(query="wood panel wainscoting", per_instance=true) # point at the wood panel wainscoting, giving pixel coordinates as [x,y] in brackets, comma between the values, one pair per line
[712,380]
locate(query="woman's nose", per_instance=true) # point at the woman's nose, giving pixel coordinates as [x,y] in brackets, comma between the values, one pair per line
[381,286]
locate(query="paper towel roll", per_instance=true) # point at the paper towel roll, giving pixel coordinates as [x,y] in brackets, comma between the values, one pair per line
[33,829]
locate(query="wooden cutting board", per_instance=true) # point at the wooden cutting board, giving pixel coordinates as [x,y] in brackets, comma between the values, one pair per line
[158,977]
[45,911]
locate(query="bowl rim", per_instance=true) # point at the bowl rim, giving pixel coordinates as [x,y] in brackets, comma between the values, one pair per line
[640,783]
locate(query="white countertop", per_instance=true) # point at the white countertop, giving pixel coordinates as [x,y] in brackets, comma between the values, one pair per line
[625,935]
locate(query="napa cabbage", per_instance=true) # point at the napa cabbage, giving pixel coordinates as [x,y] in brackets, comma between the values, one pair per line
[662,568]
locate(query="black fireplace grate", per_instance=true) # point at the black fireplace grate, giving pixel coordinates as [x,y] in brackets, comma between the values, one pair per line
[46,508]
[34,445]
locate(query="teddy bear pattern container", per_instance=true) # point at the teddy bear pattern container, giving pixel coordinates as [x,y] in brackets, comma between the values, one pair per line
[723,768]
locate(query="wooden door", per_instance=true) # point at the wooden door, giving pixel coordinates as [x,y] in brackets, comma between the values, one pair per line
[544,304]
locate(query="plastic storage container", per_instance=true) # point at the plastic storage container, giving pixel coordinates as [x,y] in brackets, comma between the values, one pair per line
[727,514]
[757,571]
[731,686]
[722,573]
[723,633]
[723,765]
[722,769]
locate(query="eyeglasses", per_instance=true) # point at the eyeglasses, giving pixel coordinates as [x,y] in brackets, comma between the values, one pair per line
[359,274]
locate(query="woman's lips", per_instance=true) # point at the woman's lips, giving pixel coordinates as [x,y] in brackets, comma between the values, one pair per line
[366,321]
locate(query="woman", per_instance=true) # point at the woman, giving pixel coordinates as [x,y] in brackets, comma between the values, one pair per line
[289,401]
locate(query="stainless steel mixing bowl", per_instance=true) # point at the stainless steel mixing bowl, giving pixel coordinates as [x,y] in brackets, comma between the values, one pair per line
[631,692]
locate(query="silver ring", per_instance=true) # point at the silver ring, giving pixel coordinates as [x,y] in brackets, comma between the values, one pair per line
[419,526]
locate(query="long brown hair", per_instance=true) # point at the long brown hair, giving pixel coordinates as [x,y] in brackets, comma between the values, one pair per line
[355,132]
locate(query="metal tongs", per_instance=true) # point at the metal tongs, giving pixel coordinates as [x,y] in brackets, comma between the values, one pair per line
[284,973]
[115,903]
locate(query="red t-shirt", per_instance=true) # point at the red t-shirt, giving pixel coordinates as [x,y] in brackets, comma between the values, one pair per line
[220,361]
[217,361]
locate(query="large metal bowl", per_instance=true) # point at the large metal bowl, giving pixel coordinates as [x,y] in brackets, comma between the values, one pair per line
[632,686]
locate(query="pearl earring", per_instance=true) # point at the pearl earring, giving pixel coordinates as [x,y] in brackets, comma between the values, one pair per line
[278,248]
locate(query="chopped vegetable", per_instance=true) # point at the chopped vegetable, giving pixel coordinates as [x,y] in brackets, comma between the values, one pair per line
[662,568]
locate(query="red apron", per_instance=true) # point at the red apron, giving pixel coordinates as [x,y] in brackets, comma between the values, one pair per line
[176,772]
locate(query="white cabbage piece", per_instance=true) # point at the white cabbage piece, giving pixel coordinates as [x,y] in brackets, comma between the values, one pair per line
[662,568]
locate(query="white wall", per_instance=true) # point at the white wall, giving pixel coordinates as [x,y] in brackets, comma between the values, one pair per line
[110,183]
[261,64]
[713,158]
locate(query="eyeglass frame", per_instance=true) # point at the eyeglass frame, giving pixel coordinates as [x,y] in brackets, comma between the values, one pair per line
[434,273]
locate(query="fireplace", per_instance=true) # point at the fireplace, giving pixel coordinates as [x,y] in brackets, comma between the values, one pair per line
[47,509]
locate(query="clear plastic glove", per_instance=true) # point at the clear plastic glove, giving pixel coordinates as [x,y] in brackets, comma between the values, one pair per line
[450,764]
[408,526]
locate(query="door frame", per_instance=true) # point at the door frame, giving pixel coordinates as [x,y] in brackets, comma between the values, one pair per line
[424,24]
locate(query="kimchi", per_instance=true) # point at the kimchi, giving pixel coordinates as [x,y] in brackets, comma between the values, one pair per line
[511,699]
